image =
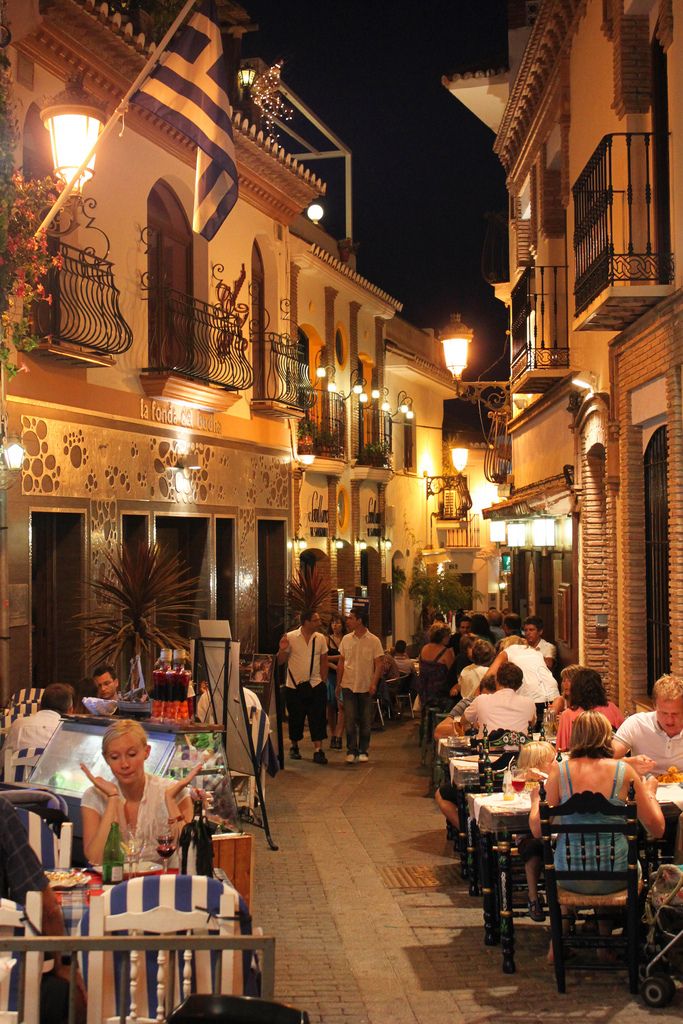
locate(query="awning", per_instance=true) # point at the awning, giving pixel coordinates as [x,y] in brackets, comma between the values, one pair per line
[550,497]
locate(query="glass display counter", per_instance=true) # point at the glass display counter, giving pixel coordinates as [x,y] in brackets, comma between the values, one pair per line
[175,749]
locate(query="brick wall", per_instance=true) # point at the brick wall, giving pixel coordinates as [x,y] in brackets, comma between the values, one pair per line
[631,63]
[656,352]
[594,558]
[352,404]
[330,296]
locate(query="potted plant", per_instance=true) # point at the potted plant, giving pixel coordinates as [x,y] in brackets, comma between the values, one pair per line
[375,453]
[305,433]
[308,588]
[141,594]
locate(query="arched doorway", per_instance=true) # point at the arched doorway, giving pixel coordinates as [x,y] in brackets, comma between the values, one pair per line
[655,468]
[258,320]
[169,279]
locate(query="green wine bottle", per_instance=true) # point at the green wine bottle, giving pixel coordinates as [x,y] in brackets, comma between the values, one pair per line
[112,860]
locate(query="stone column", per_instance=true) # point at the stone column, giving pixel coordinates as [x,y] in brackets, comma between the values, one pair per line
[330,296]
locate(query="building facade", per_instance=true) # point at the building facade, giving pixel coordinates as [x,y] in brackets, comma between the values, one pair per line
[588,135]
[179,387]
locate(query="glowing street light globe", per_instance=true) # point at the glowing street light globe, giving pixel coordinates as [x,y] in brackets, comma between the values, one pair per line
[459,457]
[74,120]
[315,212]
[455,340]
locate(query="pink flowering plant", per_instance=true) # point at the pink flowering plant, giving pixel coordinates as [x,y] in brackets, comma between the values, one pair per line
[24,259]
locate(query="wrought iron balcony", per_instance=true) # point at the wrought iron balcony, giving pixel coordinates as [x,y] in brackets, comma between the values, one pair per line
[374,437]
[322,431]
[81,319]
[540,338]
[622,248]
[281,381]
[196,341]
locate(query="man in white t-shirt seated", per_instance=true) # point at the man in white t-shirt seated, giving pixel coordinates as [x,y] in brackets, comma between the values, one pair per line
[533,634]
[507,708]
[655,738]
[36,730]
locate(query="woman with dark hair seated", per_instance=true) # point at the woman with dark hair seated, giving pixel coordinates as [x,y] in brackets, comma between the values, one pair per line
[480,627]
[586,693]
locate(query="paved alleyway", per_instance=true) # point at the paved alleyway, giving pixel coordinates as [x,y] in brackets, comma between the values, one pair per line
[350,949]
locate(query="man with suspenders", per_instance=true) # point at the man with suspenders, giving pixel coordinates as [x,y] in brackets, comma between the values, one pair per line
[305,652]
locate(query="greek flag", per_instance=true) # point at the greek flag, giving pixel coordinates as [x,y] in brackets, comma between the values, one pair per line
[188,90]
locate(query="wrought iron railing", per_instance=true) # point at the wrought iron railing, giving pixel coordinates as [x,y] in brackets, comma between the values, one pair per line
[621,223]
[283,372]
[464,534]
[197,340]
[374,437]
[323,429]
[82,304]
[540,337]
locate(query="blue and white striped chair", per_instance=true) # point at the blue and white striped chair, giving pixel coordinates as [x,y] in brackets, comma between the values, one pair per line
[19,764]
[14,921]
[28,695]
[52,850]
[161,905]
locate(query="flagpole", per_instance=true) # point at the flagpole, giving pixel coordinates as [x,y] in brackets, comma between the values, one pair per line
[113,120]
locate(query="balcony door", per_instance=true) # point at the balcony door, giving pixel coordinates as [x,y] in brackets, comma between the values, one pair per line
[655,470]
[258,319]
[188,537]
[660,143]
[169,279]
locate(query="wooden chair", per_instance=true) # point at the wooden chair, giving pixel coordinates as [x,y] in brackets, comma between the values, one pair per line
[19,764]
[16,920]
[159,905]
[591,851]
[52,848]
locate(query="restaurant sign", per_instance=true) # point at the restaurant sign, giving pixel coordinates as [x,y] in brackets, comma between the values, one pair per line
[317,516]
[174,415]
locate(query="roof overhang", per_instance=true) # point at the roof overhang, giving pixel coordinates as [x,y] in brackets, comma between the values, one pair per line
[551,497]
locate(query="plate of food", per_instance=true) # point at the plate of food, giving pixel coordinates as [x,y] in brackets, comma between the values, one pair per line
[140,867]
[67,879]
[673,776]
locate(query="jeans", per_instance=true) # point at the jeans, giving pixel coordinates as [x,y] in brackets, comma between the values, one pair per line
[357,718]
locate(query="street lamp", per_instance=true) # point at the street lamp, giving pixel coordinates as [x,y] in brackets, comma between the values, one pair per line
[74,120]
[455,339]
[459,457]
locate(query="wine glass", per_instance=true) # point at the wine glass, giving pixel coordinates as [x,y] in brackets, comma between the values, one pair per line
[518,779]
[132,847]
[166,845]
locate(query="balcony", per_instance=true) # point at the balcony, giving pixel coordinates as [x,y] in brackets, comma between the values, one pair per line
[622,248]
[540,338]
[81,323]
[374,438]
[281,382]
[322,431]
[462,534]
[197,353]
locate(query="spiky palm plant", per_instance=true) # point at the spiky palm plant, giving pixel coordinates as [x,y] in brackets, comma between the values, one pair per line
[140,590]
[308,588]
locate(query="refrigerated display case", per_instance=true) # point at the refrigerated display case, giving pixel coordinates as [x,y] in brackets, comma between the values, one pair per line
[175,749]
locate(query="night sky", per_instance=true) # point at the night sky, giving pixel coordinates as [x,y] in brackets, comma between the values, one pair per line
[424,173]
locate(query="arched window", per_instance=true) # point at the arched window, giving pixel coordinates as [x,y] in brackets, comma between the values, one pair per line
[169,275]
[657,557]
[258,316]
[36,155]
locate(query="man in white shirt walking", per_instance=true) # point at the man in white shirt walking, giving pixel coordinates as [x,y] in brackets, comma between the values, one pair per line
[358,673]
[305,651]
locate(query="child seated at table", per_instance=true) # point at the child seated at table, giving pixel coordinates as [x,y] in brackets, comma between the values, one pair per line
[537,758]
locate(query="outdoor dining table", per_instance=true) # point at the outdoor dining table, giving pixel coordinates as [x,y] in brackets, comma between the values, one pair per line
[495,822]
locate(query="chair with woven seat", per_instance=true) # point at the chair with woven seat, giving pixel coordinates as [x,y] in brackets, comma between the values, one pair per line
[592,851]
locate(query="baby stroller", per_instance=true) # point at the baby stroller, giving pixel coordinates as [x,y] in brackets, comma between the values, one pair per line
[664,945]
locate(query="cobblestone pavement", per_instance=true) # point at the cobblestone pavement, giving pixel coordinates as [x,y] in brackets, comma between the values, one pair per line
[350,950]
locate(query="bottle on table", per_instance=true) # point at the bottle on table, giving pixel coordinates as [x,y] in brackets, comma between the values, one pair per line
[159,688]
[112,858]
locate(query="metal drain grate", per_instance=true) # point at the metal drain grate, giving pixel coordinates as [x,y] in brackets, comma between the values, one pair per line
[418,876]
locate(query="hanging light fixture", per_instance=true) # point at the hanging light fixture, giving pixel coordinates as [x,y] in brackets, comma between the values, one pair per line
[455,340]
[516,535]
[246,76]
[497,531]
[74,119]
[543,533]
[362,544]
